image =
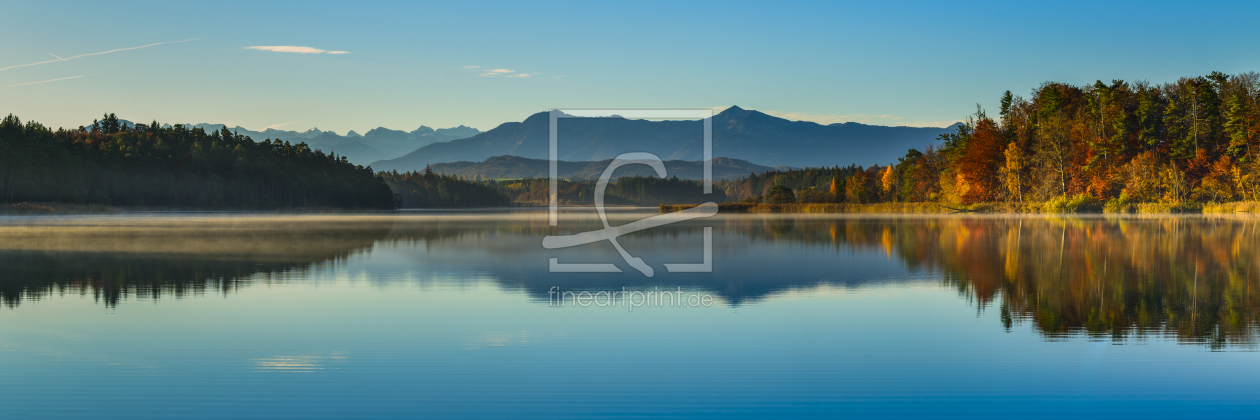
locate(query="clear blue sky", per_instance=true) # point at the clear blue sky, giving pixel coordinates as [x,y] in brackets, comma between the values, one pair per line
[912,63]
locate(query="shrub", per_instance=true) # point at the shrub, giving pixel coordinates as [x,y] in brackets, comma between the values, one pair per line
[779,194]
[1121,204]
[1080,203]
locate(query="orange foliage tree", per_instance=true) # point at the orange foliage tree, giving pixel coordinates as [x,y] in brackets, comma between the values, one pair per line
[979,163]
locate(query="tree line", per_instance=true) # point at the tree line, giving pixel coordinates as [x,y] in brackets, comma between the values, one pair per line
[150,165]
[429,190]
[632,190]
[1193,140]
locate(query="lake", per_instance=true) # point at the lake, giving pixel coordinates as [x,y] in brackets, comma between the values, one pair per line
[456,315]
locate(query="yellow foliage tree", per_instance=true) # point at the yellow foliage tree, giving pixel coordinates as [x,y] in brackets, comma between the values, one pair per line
[1176,188]
[889,181]
[1142,183]
[1011,170]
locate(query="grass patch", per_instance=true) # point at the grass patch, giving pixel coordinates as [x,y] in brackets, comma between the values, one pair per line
[1234,207]
[1076,204]
[1080,203]
[819,208]
[1169,208]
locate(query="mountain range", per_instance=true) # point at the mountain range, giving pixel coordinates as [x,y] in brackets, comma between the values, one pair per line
[363,149]
[738,133]
[513,167]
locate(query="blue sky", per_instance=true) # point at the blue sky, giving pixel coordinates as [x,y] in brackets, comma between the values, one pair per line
[408,63]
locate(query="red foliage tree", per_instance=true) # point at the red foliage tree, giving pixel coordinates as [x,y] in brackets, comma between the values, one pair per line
[979,163]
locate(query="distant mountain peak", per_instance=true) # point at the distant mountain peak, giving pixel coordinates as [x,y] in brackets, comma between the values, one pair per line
[738,133]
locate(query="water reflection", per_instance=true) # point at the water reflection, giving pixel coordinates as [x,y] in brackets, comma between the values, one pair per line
[1117,278]
[1189,278]
[114,259]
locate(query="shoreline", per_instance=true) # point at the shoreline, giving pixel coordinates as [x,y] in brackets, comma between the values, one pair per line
[55,209]
[1239,207]
[1243,207]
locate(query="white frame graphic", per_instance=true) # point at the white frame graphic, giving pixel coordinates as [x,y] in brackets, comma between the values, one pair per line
[610,233]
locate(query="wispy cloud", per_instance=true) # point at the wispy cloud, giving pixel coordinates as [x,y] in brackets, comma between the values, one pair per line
[293,49]
[492,72]
[884,119]
[279,125]
[59,59]
[41,81]
[497,72]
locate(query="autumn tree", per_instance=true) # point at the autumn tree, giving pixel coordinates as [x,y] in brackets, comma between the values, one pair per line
[1054,150]
[977,167]
[1142,178]
[888,183]
[780,194]
[861,187]
[1218,184]
[1011,173]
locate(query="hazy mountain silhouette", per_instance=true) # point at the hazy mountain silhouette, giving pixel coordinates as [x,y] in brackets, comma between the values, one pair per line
[741,134]
[519,167]
[377,144]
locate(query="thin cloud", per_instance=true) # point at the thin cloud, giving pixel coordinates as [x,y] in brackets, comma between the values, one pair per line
[59,59]
[497,72]
[293,49]
[493,72]
[41,81]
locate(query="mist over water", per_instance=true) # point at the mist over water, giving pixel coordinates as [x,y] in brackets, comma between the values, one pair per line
[433,314]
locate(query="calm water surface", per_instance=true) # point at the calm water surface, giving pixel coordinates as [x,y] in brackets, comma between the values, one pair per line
[434,315]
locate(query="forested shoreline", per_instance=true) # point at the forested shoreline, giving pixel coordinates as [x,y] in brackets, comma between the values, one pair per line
[630,190]
[430,190]
[1116,146]
[175,167]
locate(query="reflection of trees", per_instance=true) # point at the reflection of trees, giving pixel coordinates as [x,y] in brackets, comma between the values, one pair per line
[1189,278]
[178,259]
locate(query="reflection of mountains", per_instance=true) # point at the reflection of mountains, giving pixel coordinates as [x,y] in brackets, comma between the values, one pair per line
[748,266]
[1188,278]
